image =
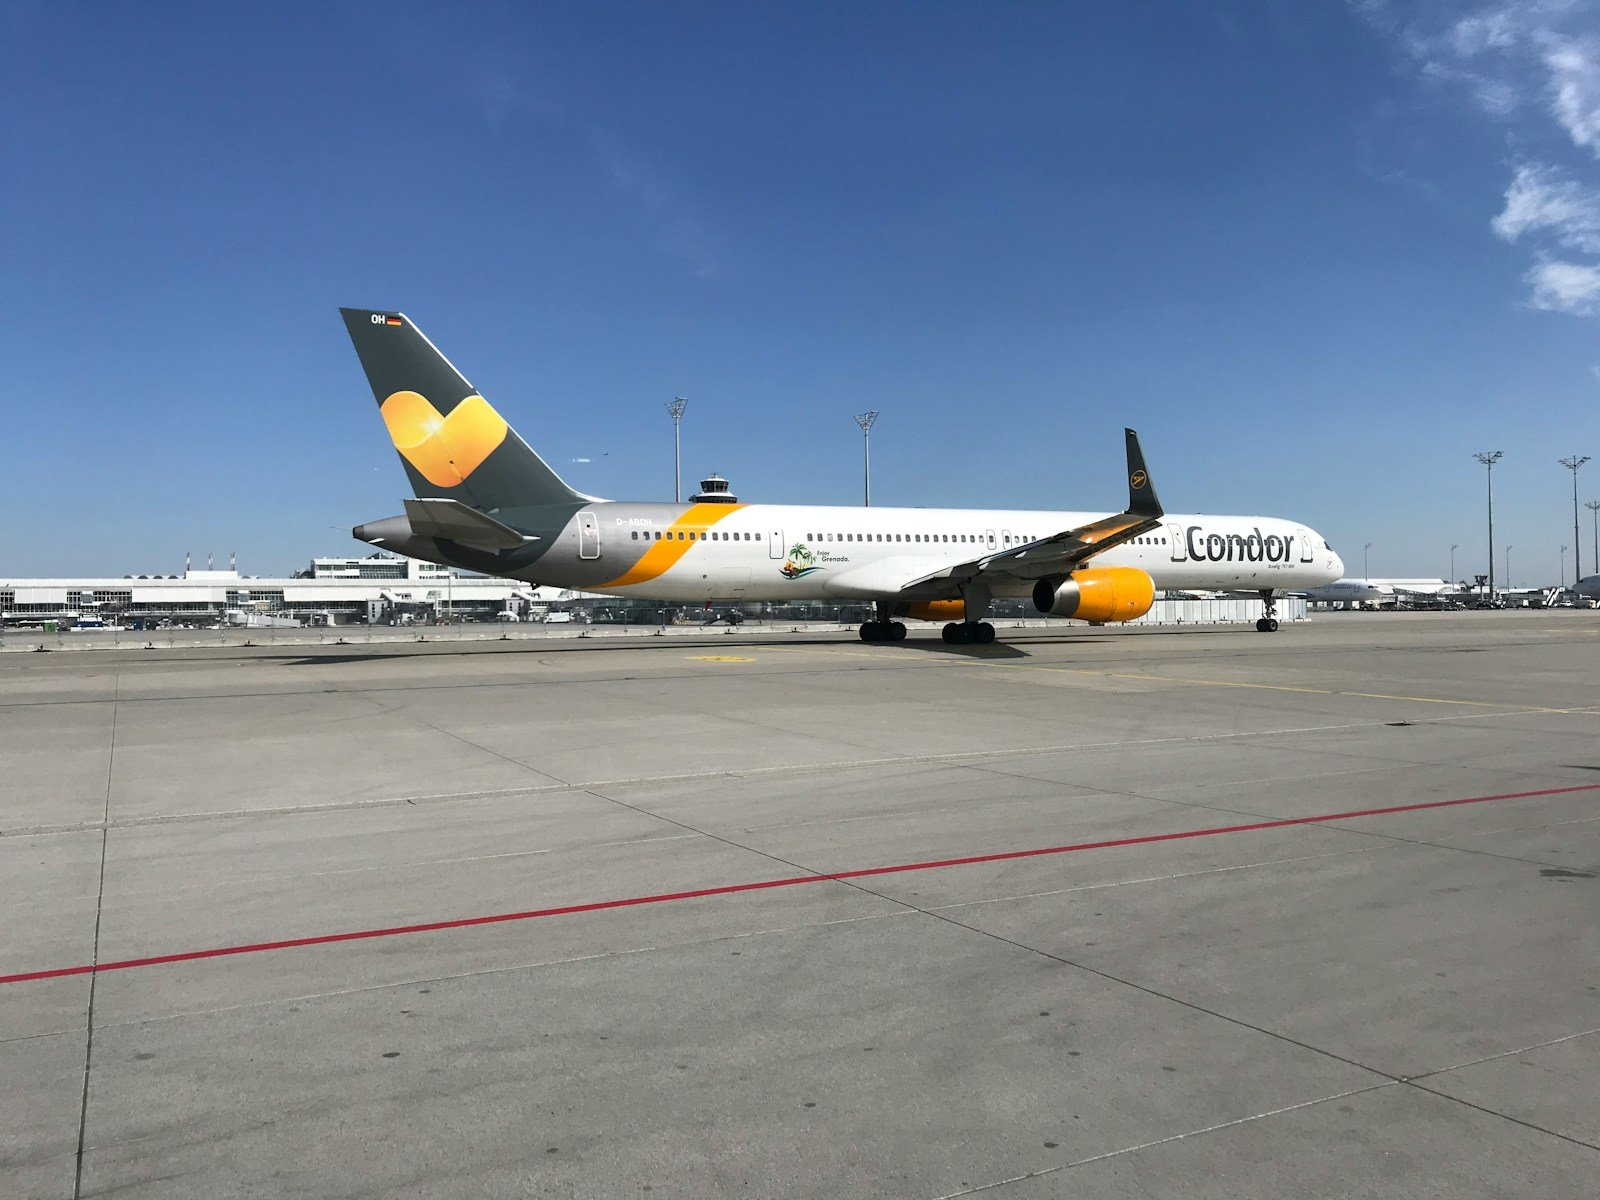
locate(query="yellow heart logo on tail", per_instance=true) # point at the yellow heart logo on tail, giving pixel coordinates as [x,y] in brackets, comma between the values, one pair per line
[446,450]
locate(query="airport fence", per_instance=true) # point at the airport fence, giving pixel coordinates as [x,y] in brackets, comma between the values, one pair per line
[1163,612]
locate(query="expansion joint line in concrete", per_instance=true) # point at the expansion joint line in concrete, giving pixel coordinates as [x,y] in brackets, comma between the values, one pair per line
[465,741]
[1390,1078]
[1391,1081]
[94,954]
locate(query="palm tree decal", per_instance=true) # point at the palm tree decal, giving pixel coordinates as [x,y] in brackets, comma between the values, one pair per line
[800,562]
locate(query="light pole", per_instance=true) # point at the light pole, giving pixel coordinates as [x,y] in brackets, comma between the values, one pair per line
[679,403]
[1508,568]
[1594,507]
[1572,464]
[1563,568]
[1364,572]
[1488,458]
[1453,548]
[865,420]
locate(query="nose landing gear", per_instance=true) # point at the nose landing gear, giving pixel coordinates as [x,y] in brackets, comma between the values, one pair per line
[1268,623]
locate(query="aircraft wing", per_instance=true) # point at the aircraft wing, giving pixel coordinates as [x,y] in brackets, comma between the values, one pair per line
[1065,551]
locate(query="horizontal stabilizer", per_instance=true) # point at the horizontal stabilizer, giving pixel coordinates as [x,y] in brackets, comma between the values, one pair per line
[456,522]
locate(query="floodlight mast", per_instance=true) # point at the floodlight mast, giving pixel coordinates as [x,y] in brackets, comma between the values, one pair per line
[865,420]
[679,403]
[1488,458]
[1572,464]
[1454,546]
[1594,507]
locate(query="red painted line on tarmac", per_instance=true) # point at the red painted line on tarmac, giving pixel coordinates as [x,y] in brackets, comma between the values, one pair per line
[326,939]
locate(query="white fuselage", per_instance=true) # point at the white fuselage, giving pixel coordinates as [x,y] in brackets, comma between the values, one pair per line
[784,552]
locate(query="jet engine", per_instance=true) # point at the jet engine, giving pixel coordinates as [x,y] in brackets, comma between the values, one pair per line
[938,610]
[1096,594]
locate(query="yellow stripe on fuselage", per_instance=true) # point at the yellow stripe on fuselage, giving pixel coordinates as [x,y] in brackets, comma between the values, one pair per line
[664,555]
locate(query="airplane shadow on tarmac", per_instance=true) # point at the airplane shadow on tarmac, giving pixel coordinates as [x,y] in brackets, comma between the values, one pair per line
[999,649]
[994,650]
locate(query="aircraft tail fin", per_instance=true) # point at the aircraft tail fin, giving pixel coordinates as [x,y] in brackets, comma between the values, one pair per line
[455,446]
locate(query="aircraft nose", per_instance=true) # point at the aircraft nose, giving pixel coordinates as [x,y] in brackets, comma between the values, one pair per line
[1338,565]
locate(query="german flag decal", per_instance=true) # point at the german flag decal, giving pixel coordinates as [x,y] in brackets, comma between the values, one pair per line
[393,321]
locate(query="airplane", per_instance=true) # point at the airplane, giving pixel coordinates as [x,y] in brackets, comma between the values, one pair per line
[1588,587]
[1376,592]
[1356,592]
[485,501]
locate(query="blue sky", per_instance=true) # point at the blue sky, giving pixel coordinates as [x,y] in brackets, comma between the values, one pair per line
[1316,254]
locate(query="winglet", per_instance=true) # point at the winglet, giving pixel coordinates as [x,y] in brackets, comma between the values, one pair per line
[1142,500]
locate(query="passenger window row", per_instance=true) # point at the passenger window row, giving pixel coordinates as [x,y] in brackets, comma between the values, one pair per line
[1015,539]
[1018,539]
[713,536]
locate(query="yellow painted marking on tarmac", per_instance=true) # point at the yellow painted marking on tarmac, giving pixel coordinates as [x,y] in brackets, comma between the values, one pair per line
[718,658]
[1279,687]
[862,653]
[989,657]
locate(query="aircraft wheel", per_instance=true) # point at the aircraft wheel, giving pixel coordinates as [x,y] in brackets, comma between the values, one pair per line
[1272,624]
[952,634]
[899,630]
[870,632]
[984,632]
[1261,625]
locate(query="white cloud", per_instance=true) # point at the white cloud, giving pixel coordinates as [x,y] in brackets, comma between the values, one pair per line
[1566,287]
[1493,30]
[1540,200]
[1516,58]
[1574,66]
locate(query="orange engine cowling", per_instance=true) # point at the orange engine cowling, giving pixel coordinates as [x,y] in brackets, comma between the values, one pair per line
[1097,594]
[938,610]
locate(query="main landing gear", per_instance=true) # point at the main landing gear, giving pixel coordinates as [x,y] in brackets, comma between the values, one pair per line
[883,631]
[976,598]
[967,633]
[1268,623]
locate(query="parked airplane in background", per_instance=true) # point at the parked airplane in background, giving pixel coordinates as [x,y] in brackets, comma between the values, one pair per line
[1377,591]
[486,502]
[1588,587]
[1353,592]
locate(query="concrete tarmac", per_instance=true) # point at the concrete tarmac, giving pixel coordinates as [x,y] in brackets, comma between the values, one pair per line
[1113,913]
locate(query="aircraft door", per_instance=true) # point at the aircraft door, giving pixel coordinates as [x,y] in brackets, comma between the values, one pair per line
[1005,538]
[775,546]
[588,536]
[1180,548]
[1306,551]
[989,537]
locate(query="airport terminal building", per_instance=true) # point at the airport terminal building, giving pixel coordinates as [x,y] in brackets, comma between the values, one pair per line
[378,588]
